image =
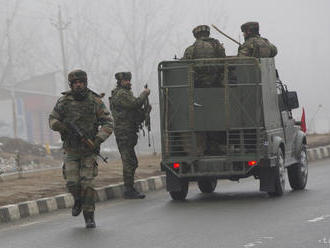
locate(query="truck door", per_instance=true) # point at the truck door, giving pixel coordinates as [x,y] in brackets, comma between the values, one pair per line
[288,127]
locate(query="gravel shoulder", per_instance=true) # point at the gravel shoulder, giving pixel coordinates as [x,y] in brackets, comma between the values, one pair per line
[47,183]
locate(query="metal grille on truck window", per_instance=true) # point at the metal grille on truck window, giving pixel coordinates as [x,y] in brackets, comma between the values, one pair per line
[179,143]
[243,141]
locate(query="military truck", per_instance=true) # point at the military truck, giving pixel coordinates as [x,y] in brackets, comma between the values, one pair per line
[229,118]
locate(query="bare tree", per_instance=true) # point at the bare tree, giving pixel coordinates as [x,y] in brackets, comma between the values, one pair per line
[183,37]
[7,63]
[145,31]
[22,55]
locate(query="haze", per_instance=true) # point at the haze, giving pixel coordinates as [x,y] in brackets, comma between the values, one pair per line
[106,36]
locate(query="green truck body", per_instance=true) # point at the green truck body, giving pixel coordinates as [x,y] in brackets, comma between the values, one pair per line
[236,126]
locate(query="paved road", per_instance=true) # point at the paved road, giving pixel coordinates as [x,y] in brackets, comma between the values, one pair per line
[236,215]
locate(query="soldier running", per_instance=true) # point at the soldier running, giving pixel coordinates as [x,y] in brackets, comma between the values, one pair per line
[86,110]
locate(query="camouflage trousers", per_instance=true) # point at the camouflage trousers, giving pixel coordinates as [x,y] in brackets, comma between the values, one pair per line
[126,144]
[79,172]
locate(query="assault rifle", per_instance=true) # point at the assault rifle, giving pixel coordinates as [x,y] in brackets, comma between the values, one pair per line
[83,138]
[146,107]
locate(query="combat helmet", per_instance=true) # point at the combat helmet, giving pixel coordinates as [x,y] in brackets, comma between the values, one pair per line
[199,29]
[252,27]
[77,75]
[123,76]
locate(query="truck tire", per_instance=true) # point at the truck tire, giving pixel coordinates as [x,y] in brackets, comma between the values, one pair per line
[182,194]
[207,185]
[280,175]
[298,172]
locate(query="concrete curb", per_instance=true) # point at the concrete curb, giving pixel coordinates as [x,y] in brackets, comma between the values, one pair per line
[21,210]
[318,153]
[45,205]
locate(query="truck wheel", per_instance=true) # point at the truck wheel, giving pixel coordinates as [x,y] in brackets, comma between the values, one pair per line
[280,175]
[207,185]
[298,172]
[180,195]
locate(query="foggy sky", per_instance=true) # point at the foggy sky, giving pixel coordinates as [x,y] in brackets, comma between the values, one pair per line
[105,31]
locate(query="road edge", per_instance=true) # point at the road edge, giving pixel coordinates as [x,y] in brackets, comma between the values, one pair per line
[21,210]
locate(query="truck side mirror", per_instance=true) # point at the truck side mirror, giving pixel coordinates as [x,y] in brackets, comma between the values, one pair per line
[292,100]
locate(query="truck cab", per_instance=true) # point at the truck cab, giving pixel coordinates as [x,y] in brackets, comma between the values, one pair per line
[228,118]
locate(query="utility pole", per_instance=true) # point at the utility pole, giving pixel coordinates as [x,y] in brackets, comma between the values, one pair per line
[10,57]
[14,107]
[6,77]
[60,25]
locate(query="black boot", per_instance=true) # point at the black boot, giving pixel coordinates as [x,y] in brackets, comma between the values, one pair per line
[76,209]
[131,193]
[89,219]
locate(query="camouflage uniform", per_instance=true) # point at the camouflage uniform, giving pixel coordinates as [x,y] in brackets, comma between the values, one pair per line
[128,115]
[205,47]
[80,166]
[254,45]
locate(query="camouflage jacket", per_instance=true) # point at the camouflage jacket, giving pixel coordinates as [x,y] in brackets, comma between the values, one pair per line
[126,110]
[258,47]
[205,47]
[90,115]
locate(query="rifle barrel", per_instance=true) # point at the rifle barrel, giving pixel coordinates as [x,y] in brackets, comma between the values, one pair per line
[215,27]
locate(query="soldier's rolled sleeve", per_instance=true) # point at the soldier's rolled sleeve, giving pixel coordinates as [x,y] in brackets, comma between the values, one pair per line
[105,121]
[128,101]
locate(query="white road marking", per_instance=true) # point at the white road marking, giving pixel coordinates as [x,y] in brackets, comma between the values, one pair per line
[266,238]
[249,245]
[317,219]
[29,224]
[259,241]
[252,244]
[324,241]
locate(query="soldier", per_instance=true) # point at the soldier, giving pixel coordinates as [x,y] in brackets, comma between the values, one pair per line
[86,110]
[128,115]
[204,46]
[254,45]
